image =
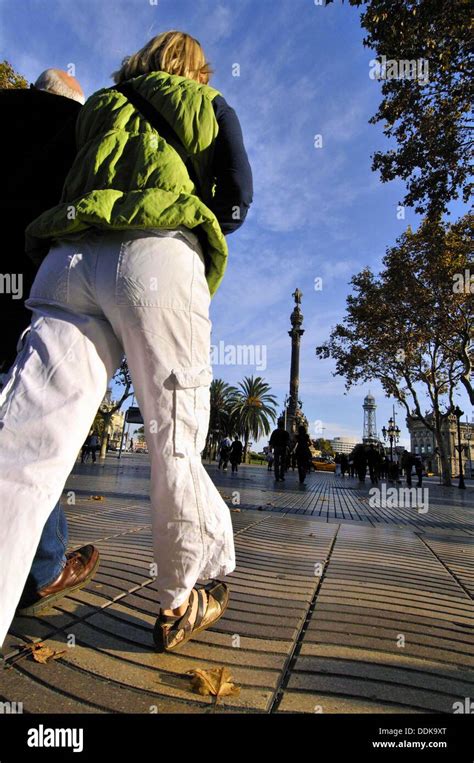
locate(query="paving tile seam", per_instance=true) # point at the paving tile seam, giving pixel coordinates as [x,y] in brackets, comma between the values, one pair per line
[355,653]
[359,698]
[298,640]
[433,626]
[417,612]
[375,522]
[450,572]
[404,587]
[419,619]
[458,654]
[379,628]
[403,584]
[368,681]
[435,603]
[61,691]
[117,535]
[379,650]
[432,671]
[372,573]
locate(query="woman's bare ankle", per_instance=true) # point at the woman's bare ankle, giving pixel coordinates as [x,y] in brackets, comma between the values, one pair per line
[178,612]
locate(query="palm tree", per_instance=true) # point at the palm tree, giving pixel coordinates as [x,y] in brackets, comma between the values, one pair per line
[253,409]
[222,397]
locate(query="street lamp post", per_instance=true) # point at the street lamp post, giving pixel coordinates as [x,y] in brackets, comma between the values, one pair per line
[391,433]
[468,446]
[458,413]
[285,403]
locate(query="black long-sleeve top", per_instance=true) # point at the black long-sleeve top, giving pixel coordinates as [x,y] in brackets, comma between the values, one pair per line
[231,169]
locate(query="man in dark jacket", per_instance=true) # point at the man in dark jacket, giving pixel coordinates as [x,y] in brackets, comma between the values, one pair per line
[418,470]
[279,443]
[37,135]
[373,461]
[38,139]
[235,457]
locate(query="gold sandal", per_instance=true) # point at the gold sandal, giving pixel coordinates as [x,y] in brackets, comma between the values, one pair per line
[171,631]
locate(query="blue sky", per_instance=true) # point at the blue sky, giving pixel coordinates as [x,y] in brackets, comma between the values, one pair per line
[317,212]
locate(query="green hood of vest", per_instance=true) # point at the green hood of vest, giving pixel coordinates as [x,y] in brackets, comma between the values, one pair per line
[125,175]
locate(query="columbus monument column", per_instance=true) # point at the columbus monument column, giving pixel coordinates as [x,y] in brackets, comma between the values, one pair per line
[295,333]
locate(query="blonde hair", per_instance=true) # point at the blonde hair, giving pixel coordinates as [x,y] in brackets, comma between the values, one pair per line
[173,52]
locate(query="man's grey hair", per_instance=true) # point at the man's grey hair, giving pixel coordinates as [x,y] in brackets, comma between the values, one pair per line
[52,82]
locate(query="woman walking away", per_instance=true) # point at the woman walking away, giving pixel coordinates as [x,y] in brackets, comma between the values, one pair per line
[137,250]
[302,452]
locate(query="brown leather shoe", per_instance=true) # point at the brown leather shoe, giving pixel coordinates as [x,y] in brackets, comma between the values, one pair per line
[81,565]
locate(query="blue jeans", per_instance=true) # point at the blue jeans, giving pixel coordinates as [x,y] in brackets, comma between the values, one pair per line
[50,556]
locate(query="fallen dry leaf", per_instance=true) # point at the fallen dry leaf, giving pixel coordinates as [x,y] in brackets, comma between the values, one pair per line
[41,653]
[97,498]
[216,682]
[237,510]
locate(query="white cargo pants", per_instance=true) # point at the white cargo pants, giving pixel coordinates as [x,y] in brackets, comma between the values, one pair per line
[142,294]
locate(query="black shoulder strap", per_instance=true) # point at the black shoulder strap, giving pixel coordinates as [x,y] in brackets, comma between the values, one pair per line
[160,124]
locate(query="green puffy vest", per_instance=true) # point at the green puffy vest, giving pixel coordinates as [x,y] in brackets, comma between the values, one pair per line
[125,175]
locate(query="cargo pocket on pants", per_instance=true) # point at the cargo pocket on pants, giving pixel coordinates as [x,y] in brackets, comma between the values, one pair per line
[191,409]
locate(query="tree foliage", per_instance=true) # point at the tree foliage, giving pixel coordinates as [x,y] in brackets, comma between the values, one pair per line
[430,120]
[221,399]
[411,326]
[325,446]
[253,409]
[123,379]
[9,78]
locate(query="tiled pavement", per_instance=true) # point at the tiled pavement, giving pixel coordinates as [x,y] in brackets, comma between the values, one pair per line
[335,606]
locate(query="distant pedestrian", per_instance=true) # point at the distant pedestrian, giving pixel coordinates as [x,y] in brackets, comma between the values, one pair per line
[224,453]
[302,453]
[419,470]
[235,456]
[94,445]
[344,464]
[360,463]
[279,442]
[385,468]
[270,460]
[394,472]
[373,461]
[406,463]
[85,450]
